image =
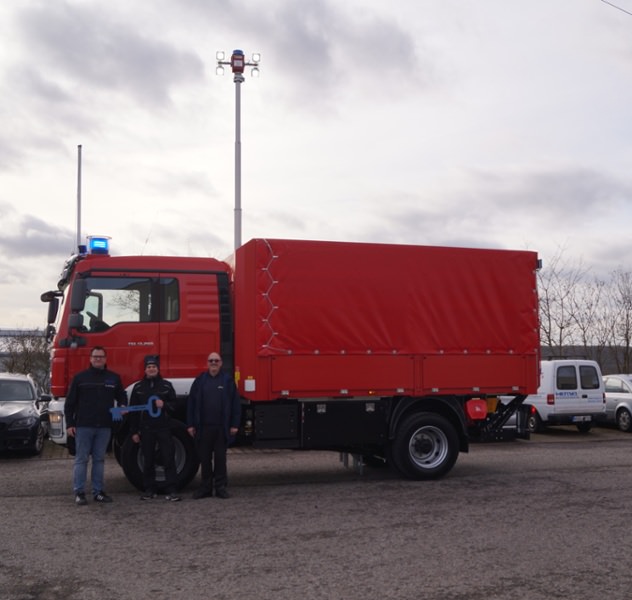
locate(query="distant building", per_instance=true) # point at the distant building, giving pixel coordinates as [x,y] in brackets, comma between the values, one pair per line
[18,332]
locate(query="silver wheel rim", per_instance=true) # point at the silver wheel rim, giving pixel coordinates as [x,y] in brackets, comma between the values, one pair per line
[428,447]
[624,420]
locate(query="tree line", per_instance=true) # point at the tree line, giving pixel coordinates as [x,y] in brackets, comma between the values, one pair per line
[582,315]
[27,352]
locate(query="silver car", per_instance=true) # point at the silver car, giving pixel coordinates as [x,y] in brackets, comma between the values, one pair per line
[619,401]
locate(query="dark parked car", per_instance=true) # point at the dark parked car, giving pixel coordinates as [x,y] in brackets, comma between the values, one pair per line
[21,427]
[619,401]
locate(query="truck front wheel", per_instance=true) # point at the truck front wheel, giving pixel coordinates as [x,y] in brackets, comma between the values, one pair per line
[426,446]
[185,454]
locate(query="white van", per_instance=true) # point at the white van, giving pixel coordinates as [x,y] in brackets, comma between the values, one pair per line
[571,392]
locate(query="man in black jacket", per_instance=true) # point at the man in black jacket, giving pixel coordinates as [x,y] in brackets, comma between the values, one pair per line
[213,414]
[88,419]
[153,427]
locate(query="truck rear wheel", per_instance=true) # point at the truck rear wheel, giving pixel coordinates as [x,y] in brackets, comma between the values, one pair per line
[185,454]
[426,446]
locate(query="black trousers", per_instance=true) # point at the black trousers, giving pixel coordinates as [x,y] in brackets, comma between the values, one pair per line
[151,442]
[212,446]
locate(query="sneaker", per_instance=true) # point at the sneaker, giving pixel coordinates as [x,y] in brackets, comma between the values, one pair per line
[149,496]
[102,497]
[80,499]
[172,498]
[222,493]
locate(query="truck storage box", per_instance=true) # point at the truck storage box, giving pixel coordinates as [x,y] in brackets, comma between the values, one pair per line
[335,423]
[334,318]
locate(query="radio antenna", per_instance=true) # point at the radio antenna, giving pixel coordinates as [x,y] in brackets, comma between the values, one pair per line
[78,196]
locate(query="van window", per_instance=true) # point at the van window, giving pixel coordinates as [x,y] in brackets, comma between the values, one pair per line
[566,378]
[589,377]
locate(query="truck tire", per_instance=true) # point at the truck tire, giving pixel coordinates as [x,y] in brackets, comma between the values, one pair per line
[584,427]
[426,446]
[186,460]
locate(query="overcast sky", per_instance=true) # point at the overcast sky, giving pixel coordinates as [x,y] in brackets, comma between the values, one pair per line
[483,123]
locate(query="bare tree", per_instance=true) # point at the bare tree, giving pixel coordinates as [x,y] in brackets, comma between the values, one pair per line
[28,353]
[558,284]
[621,297]
[592,318]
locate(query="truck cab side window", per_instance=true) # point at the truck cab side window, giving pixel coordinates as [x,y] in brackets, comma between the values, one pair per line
[112,300]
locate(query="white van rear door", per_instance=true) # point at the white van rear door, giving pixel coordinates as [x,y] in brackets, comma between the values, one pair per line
[578,389]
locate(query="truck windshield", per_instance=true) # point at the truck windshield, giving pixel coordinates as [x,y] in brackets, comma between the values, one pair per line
[112,300]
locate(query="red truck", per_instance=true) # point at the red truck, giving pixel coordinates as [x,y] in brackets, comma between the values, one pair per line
[390,353]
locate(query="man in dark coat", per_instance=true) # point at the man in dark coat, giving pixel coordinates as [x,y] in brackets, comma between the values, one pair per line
[88,419]
[153,427]
[213,414]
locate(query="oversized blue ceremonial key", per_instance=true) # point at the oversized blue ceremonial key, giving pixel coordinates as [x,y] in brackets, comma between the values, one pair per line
[119,411]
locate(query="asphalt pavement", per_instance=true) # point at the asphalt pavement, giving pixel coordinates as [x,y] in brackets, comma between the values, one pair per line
[540,519]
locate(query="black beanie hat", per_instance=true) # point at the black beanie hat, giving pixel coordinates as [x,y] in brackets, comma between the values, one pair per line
[152,359]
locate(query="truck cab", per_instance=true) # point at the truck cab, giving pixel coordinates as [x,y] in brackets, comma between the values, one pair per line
[176,307]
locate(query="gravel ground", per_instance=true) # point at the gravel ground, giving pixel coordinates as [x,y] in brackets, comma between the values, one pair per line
[548,518]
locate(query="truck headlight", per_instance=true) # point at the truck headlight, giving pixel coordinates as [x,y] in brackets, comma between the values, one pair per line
[55,417]
[55,424]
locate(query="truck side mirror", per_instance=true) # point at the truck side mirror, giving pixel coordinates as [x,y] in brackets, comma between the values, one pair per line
[78,297]
[53,307]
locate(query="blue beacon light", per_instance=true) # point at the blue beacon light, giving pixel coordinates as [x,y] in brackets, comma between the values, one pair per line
[98,244]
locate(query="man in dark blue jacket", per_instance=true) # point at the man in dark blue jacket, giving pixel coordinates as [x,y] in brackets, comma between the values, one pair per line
[88,419]
[213,414]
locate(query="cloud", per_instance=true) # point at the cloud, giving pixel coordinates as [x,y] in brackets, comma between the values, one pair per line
[326,49]
[11,155]
[28,236]
[89,48]
[69,67]
[538,208]
[572,194]
[333,52]
[422,123]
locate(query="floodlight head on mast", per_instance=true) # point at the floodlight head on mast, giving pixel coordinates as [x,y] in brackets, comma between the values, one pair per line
[238,63]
